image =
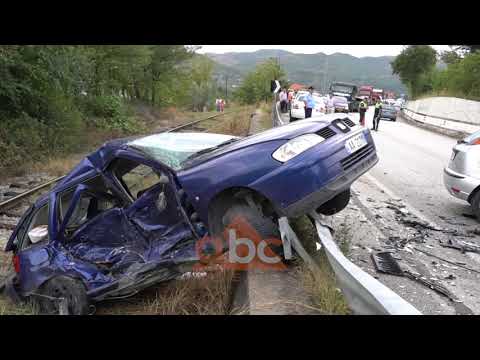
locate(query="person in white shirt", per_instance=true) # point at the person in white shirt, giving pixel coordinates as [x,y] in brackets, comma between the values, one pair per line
[283,97]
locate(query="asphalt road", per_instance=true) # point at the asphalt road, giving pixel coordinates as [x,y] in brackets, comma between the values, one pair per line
[411,165]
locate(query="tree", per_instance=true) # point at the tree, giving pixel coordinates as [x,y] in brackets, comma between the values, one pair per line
[256,85]
[412,65]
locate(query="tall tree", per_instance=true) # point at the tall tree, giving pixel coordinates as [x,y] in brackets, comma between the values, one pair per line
[413,64]
[256,85]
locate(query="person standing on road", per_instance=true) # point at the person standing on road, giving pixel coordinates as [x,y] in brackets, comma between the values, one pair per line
[283,100]
[309,103]
[362,109]
[290,99]
[222,105]
[376,116]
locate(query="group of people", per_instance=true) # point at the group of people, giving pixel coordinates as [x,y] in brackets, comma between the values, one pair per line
[286,98]
[220,105]
[362,109]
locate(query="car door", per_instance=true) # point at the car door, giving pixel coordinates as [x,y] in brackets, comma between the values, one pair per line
[156,210]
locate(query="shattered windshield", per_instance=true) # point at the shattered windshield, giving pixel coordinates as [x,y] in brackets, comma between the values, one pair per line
[172,149]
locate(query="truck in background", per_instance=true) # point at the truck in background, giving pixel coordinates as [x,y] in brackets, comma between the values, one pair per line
[348,91]
[377,94]
[366,91]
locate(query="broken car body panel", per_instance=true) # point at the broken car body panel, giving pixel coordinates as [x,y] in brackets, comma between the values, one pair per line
[118,235]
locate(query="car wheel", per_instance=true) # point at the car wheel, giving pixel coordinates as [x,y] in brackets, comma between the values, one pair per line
[475,204]
[265,227]
[335,205]
[63,287]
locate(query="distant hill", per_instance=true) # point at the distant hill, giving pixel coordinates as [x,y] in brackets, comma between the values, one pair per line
[318,70]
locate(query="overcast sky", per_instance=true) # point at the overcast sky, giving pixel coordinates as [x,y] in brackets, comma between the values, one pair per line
[355,50]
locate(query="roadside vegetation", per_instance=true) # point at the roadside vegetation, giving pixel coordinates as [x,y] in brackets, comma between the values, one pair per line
[416,66]
[321,285]
[58,99]
[255,87]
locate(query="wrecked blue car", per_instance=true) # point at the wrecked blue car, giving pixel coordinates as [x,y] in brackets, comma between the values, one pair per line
[129,215]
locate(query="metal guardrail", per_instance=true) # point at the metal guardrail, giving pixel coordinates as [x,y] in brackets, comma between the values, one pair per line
[364,294]
[442,118]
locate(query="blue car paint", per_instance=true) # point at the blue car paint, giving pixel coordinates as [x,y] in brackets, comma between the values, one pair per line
[124,236]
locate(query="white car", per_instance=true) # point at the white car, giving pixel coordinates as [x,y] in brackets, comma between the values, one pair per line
[461,177]
[297,110]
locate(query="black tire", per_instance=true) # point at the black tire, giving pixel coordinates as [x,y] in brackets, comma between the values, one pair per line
[475,204]
[335,205]
[63,286]
[264,226]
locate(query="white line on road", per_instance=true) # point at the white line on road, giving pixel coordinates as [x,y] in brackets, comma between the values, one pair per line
[390,193]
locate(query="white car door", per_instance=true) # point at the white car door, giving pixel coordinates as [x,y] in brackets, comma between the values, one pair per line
[298,108]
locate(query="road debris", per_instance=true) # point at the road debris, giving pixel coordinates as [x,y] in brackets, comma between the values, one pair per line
[447,261]
[463,246]
[385,263]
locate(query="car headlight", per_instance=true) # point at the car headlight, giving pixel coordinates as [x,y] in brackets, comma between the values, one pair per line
[296,146]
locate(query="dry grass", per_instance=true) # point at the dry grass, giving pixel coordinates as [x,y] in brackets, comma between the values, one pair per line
[207,295]
[9,308]
[321,285]
[237,123]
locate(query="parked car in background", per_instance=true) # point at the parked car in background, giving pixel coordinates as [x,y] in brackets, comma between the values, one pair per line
[388,111]
[399,104]
[297,110]
[461,176]
[340,104]
[131,214]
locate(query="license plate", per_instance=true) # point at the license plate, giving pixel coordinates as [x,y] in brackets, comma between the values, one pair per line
[356,142]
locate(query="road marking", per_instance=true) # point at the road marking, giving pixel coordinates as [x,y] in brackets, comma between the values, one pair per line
[390,193]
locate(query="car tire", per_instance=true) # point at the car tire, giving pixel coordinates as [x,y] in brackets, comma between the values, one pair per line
[475,204]
[263,225]
[335,205]
[63,286]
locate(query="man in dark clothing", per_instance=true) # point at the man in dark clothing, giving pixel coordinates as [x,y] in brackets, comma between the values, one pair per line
[376,116]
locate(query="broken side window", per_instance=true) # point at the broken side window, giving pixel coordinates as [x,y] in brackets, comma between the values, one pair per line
[90,204]
[136,178]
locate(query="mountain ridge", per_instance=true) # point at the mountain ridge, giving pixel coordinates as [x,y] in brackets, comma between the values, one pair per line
[318,69]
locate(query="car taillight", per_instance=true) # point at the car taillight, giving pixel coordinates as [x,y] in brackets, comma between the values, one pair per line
[475,142]
[16,263]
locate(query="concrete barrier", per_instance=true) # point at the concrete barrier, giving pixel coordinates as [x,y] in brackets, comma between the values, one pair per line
[458,117]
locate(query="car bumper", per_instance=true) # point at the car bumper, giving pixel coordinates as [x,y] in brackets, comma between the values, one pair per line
[388,116]
[459,185]
[335,187]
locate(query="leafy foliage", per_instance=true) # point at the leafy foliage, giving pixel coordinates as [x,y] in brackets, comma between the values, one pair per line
[256,85]
[49,94]
[413,65]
